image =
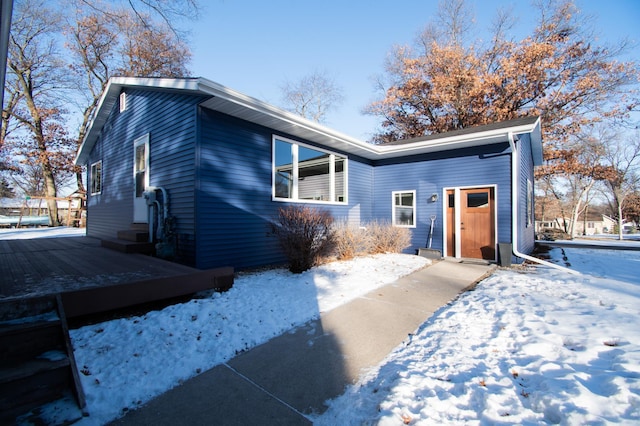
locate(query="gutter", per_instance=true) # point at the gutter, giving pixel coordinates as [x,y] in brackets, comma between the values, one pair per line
[515,162]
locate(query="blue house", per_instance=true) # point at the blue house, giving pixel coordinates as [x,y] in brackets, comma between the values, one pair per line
[222,163]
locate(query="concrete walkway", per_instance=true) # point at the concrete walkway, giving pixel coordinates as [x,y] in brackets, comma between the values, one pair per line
[282,381]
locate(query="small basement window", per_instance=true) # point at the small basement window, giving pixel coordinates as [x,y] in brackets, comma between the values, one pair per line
[404,209]
[96,178]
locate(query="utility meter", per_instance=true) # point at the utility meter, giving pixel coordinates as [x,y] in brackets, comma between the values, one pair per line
[150,196]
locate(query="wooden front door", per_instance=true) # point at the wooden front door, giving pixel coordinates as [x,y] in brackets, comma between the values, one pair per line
[475,223]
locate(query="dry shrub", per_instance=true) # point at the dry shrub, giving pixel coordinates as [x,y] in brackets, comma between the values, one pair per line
[350,240]
[305,234]
[375,237]
[386,238]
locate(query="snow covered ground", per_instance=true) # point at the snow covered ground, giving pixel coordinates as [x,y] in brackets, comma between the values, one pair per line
[527,347]
[30,233]
[523,348]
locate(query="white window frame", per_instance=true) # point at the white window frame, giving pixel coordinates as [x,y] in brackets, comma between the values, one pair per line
[530,212]
[123,101]
[295,172]
[95,168]
[393,208]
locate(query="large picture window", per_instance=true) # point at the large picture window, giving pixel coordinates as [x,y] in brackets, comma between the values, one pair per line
[404,209]
[303,173]
[96,178]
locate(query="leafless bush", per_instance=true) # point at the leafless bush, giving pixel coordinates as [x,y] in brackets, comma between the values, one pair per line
[305,234]
[349,240]
[386,238]
[375,237]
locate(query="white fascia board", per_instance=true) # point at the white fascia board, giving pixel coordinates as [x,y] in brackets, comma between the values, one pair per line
[261,107]
[454,142]
[352,145]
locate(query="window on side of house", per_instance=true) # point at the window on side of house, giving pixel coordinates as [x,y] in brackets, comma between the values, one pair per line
[96,178]
[404,209]
[307,174]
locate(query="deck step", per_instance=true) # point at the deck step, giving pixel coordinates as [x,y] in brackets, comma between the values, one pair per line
[32,384]
[134,235]
[140,227]
[37,364]
[26,340]
[27,370]
[128,247]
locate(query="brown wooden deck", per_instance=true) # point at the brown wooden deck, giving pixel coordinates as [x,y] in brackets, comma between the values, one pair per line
[82,270]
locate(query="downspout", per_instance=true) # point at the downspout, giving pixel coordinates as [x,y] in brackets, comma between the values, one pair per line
[162,210]
[515,162]
[165,202]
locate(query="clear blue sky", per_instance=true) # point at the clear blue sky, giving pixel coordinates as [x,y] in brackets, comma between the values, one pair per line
[254,46]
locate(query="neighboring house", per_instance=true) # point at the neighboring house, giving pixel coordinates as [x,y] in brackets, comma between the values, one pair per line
[593,224]
[227,162]
[34,211]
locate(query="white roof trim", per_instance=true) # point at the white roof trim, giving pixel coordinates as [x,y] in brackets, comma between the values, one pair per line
[237,104]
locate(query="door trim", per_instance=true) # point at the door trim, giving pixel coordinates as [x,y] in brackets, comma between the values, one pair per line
[140,212]
[457,218]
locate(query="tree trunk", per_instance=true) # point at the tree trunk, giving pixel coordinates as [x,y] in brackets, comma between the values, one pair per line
[574,219]
[79,182]
[620,221]
[50,192]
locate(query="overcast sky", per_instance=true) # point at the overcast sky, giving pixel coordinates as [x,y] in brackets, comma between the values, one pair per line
[254,46]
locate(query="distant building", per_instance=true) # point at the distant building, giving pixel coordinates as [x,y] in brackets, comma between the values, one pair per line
[34,211]
[593,224]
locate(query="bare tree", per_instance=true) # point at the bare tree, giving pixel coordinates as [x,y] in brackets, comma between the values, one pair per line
[35,73]
[313,96]
[584,167]
[106,42]
[624,159]
[147,12]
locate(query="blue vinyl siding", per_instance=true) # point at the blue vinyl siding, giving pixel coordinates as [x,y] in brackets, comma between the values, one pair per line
[429,174]
[234,202]
[217,170]
[169,118]
[526,234]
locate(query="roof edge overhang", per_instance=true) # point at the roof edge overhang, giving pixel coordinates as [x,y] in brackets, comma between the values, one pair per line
[495,134]
[234,103]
